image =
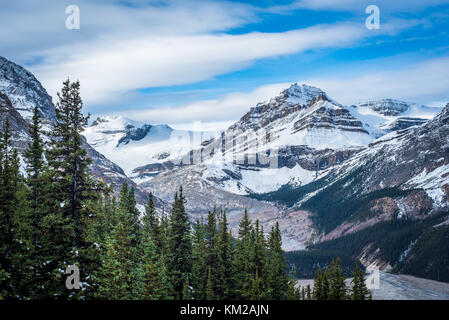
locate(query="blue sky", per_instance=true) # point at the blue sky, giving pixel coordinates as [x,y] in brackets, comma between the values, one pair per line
[179,61]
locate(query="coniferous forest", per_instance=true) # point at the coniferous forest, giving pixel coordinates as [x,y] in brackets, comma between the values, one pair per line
[54,215]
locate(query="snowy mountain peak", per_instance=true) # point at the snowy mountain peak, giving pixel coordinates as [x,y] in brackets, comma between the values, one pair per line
[24,91]
[302,93]
[387,107]
[116,122]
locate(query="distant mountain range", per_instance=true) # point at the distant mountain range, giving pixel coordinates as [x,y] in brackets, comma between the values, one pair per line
[325,171]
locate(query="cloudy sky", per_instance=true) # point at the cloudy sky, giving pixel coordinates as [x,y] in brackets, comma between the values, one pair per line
[179,61]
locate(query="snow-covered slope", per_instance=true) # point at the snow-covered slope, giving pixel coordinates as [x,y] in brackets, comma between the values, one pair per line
[304,132]
[132,144]
[386,115]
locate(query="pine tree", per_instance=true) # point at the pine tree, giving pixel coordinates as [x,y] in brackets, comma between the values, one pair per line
[127,204]
[119,278]
[186,294]
[276,266]
[199,262]
[212,250]
[164,229]
[71,186]
[325,285]
[259,253]
[9,186]
[180,246]
[154,273]
[69,160]
[151,218]
[308,293]
[303,293]
[24,278]
[257,288]
[293,293]
[359,290]
[224,272]
[318,286]
[243,262]
[337,287]
[34,161]
[244,226]
[29,211]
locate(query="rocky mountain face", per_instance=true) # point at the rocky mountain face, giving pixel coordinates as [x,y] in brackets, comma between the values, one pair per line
[20,92]
[387,205]
[369,177]
[25,91]
[315,140]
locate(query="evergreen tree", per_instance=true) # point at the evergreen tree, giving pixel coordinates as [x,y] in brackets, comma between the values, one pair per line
[71,185]
[337,287]
[325,286]
[155,280]
[186,294]
[293,293]
[9,187]
[180,246]
[118,271]
[276,266]
[308,293]
[34,165]
[151,218]
[257,292]
[199,263]
[212,251]
[318,286]
[243,260]
[28,213]
[24,276]
[359,290]
[224,272]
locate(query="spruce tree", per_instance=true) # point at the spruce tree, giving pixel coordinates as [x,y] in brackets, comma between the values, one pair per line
[243,262]
[224,270]
[318,286]
[71,186]
[186,292]
[34,164]
[9,185]
[293,293]
[337,287]
[276,266]
[30,213]
[122,274]
[325,285]
[359,290]
[152,261]
[199,262]
[180,246]
[152,220]
[308,293]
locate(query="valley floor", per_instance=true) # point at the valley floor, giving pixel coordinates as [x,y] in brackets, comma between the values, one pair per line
[403,287]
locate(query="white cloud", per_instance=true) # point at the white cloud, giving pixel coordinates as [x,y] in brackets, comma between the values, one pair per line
[108,68]
[359,5]
[425,82]
[218,112]
[120,49]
